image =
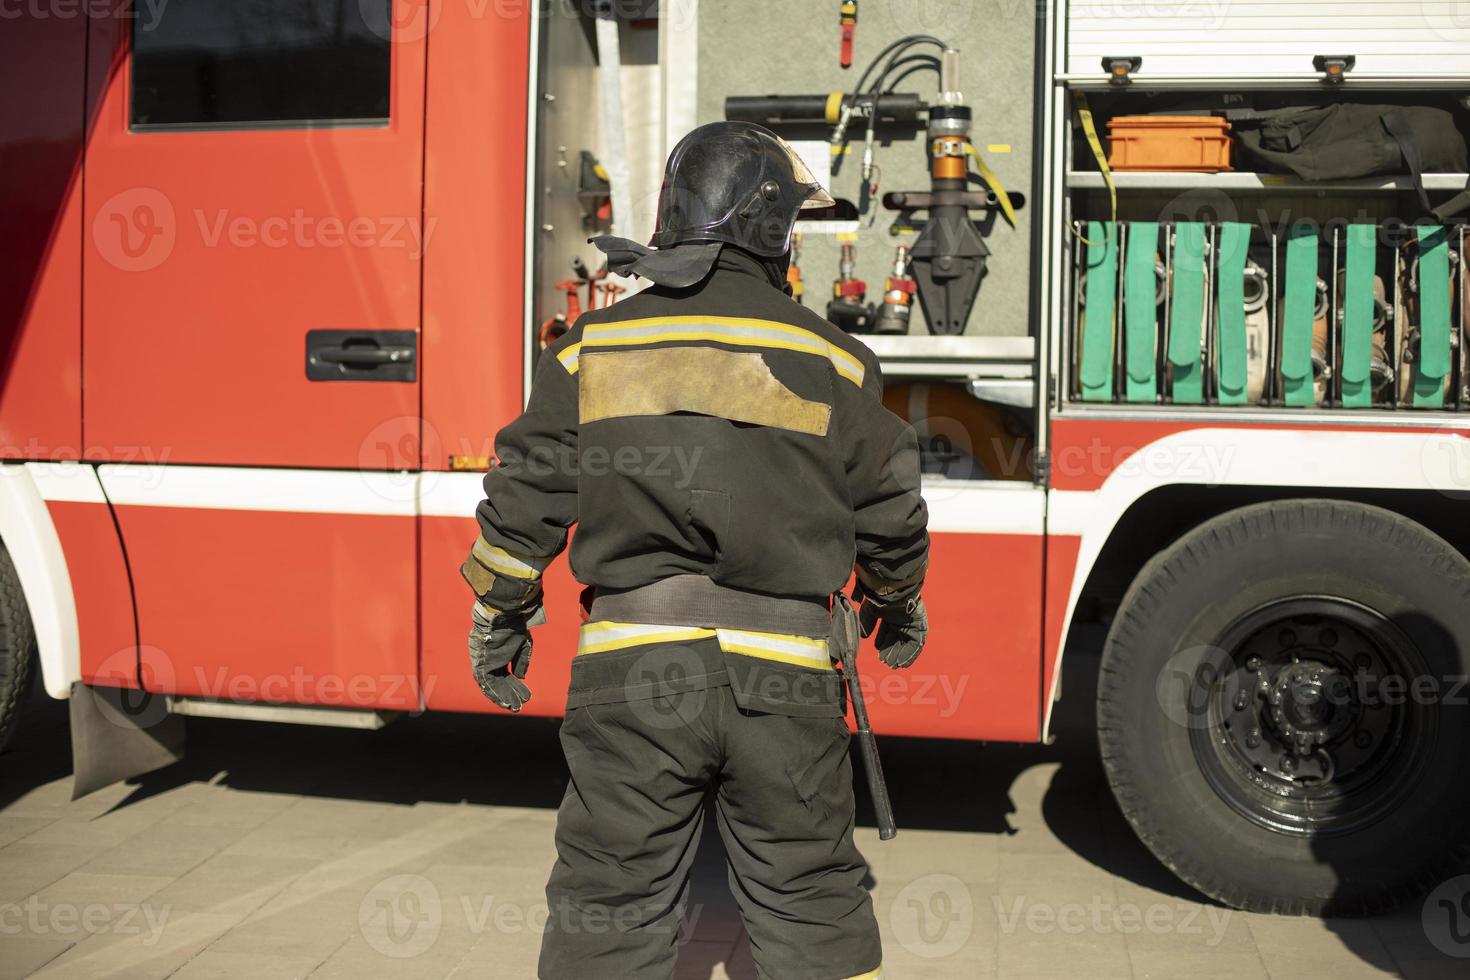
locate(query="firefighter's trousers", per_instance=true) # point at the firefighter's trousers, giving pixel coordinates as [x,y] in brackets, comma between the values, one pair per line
[630,822]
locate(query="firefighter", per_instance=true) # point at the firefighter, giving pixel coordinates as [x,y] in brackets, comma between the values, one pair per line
[726,457]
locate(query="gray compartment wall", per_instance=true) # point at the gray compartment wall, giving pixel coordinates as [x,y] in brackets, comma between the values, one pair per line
[764,47]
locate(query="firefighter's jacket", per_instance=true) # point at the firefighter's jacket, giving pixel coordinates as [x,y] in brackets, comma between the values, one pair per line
[723,431]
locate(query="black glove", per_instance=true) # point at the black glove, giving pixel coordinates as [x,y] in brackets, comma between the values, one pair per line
[500,653]
[902,628]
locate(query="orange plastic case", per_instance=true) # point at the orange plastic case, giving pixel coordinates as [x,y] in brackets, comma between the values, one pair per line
[1189,143]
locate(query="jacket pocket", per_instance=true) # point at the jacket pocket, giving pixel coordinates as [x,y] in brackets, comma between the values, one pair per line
[709,520]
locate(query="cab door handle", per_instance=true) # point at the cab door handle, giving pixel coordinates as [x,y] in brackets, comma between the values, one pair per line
[361,355]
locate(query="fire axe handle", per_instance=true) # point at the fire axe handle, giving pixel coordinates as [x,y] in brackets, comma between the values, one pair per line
[877,786]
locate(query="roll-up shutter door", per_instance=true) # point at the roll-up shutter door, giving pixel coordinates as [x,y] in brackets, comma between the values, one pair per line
[1260,38]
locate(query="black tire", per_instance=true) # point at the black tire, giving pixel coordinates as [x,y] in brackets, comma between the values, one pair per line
[1311,603]
[17,647]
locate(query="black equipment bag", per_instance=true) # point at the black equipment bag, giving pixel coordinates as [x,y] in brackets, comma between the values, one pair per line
[1345,140]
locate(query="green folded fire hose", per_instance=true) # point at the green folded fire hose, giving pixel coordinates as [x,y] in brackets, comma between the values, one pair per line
[1234,242]
[1096,373]
[1357,317]
[1187,312]
[1296,322]
[1432,364]
[1140,312]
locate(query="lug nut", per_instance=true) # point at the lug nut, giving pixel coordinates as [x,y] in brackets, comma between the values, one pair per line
[1288,764]
[1253,740]
[1253,663]
[1241,701]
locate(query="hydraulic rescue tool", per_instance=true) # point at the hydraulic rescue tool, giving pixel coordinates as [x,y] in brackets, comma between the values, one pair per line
[949,255]
[898,297]
[793,272]
[947,261]
[849,308]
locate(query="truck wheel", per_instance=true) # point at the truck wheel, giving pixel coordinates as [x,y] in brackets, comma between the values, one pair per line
[17,647]
[1282,708]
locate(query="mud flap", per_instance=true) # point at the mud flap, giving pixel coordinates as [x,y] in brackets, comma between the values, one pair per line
[117,733]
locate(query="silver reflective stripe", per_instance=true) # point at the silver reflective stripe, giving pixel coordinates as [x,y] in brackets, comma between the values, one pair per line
[508,563]
[801,651]
[604,637]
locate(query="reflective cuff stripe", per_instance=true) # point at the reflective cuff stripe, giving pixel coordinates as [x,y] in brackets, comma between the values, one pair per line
[508,563]
[870,975]
[802,651]
[602,637]
[735,331]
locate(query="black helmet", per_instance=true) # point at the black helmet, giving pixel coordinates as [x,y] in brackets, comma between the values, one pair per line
[736,183]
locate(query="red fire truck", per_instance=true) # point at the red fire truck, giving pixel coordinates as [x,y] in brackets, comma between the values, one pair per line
[273,282]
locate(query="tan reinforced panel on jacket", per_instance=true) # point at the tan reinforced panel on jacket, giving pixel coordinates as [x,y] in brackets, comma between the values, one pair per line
[703,380]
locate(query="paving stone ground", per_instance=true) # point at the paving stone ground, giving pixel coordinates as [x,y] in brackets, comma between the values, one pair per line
[421,851]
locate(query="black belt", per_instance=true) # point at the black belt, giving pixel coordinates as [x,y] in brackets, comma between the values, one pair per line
[693,600]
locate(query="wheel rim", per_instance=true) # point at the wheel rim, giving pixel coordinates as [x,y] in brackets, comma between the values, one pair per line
[1303,717]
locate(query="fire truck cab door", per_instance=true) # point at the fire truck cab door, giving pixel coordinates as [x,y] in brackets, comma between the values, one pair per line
[251,317]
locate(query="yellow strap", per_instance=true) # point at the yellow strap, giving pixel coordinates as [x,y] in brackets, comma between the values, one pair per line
[994,182]
[834,108]
[1089,129]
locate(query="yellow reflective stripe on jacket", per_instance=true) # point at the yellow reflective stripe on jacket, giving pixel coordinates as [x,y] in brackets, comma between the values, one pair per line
[568,357]
[870,975]
[509,563]
[603,636]
[802,651]
[735,331]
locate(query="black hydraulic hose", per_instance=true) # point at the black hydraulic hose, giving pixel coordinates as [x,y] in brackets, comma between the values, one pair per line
[907,41]
[902,53]
[916,63]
